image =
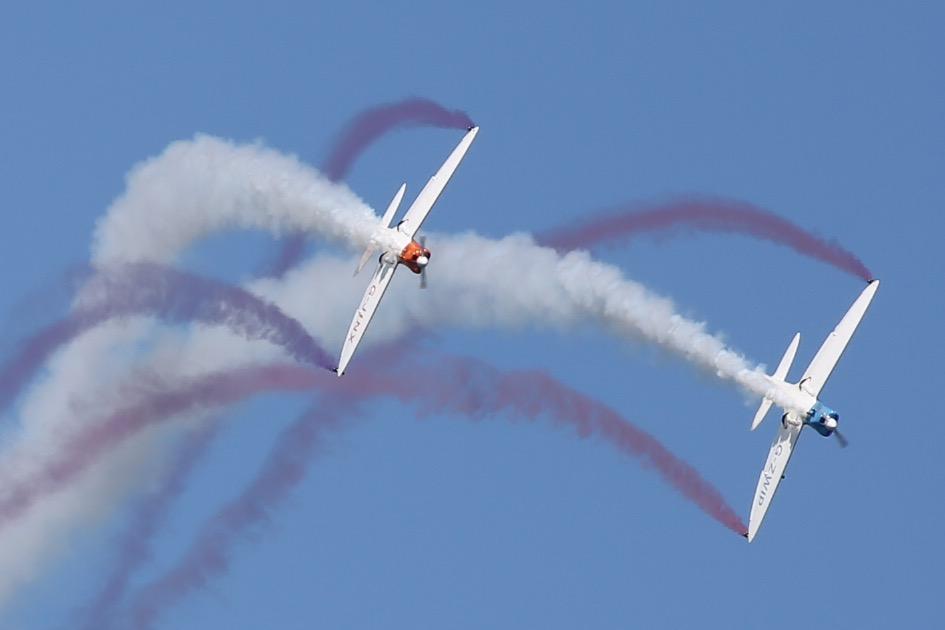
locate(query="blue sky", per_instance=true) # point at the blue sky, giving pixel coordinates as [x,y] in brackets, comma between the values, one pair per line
[829,115]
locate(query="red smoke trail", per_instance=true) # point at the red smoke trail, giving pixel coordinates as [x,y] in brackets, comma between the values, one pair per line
[363,130]
[373,123]
[464,386]
[705,215]
[134,549]
[209,555]
[471,387]
[85,447]
[172,295]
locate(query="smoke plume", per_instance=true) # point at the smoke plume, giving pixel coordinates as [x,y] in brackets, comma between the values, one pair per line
[204,185]
[201,186]
[172,295]
[134,548]
[85,447]
[497,274]
[463,386]
[709,215]
[373,123]
[209,555]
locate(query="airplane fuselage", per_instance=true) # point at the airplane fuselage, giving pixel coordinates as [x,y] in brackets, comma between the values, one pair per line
[406,251]
[820,418]
[411,255]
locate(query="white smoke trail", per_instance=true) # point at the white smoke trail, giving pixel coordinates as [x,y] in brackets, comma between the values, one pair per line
[204,185]
[477,282]
[194,188]
[48,412]
[85,382]
[201,186]
[197,187]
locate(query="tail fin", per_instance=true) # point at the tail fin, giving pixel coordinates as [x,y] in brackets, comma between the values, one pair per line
[779,375]
[385,223]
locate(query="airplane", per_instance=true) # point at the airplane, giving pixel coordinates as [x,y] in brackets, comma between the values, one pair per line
[819,417]
[399,246]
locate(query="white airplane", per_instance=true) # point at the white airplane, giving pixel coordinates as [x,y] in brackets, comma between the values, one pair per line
[819,417]
[399,247]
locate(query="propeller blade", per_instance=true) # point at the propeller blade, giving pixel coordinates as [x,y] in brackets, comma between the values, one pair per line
[423,271]
[842,441]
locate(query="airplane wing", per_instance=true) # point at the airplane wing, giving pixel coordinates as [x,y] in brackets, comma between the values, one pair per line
[830,352]
[364,314]
[422,205]
[778,457]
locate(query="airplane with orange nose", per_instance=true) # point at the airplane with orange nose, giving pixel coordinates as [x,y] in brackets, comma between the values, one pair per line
[399,246]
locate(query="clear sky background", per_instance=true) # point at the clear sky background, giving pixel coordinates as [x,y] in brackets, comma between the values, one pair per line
[830,114]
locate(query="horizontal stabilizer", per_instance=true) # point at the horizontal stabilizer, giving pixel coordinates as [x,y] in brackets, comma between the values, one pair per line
[385,223]
[366,256]
[779,376]
[388,217]
[762,412]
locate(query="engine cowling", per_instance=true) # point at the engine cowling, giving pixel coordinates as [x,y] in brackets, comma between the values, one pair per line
[415,256]
[825,423]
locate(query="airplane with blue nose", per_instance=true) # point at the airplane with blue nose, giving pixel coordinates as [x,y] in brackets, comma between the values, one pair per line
[804,408]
